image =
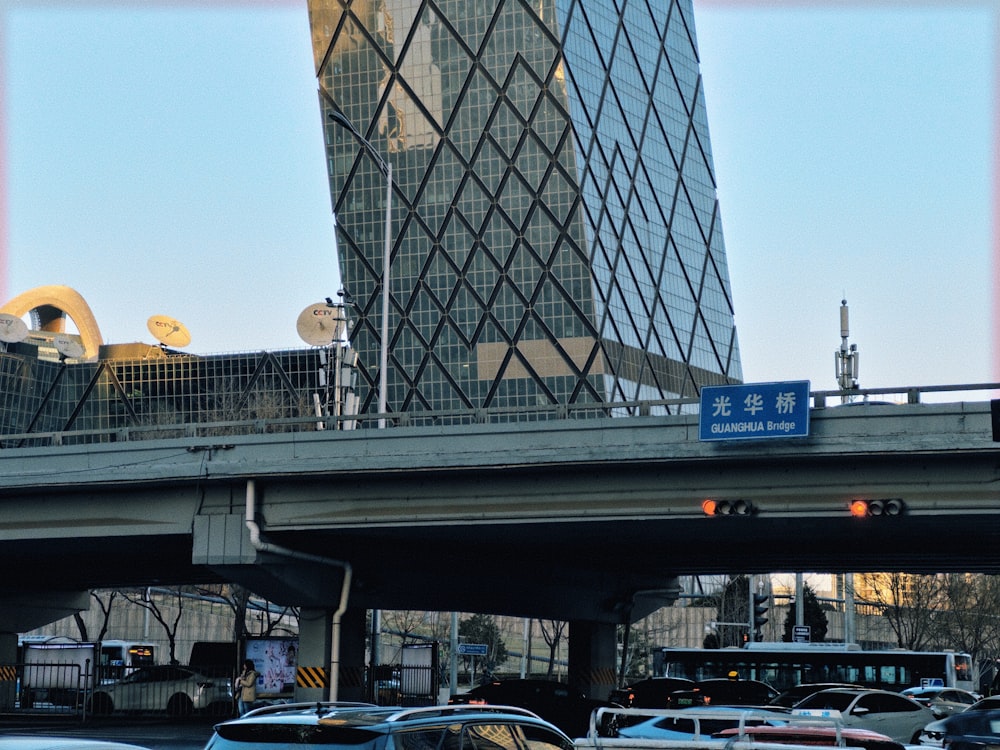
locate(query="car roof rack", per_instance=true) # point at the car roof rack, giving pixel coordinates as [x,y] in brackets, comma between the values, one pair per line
[320,707]
[458,709]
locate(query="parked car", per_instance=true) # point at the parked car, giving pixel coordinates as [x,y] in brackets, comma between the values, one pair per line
[793,695]
[889,713]
[972,730]
[723,692]
[649,693]
[942,701]
[985,704]
[815,735]
[339,727]
[555,702]
[179,691]
[699,723]
[36,742]
[932,735]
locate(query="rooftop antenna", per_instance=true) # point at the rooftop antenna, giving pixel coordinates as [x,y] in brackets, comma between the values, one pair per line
[846,358]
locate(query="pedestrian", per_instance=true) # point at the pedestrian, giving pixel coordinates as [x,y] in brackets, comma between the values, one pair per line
[246,687]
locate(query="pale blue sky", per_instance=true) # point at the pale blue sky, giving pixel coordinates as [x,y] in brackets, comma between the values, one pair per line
[168,159]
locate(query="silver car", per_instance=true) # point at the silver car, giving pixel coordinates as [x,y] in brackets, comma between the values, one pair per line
[942,701]
[179,691]
[892,714]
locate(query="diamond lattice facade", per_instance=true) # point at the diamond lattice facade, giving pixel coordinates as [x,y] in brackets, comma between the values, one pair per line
[555,233]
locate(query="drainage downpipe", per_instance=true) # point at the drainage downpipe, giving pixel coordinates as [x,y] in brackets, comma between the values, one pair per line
[261,546]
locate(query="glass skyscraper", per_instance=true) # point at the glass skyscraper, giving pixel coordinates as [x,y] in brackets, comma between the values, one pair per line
[555,234]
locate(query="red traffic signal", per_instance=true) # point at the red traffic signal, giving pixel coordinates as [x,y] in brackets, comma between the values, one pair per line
[887,507]
[712,507]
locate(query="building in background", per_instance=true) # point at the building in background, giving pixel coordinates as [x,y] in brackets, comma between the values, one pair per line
[554,229]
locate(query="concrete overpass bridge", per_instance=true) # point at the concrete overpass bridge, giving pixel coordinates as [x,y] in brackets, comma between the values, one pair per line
[586,520]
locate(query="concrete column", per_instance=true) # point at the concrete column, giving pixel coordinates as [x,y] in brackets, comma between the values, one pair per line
[353,634]
[593,651]
[8,658]
[312,683]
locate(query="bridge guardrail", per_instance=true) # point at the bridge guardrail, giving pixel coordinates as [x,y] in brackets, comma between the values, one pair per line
[309,422]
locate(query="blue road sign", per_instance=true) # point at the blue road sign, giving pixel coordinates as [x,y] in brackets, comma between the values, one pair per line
[754,410]
[472,649]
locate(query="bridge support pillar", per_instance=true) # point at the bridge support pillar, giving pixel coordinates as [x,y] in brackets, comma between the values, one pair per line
[8,658]
[313,678]
[593,648]
[353,634]
[331,664]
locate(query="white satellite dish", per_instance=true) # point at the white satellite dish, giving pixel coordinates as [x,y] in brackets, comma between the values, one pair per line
[168,331]
[69,346]
[12,329]
[321,324]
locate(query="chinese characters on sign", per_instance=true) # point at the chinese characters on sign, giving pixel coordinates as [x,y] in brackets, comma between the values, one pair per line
[755,410]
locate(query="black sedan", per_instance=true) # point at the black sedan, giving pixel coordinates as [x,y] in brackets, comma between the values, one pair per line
[555,702]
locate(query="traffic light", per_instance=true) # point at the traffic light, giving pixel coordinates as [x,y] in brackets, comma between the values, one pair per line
[712,507]
[888,507]
[759,610]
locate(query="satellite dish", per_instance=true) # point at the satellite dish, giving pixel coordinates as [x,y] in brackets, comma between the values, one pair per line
[68,346]
[168,331]
[12,328]
[321,324]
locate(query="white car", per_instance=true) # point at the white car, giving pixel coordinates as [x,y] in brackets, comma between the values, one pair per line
[942,701]
[701,723]
[891,714]
[933,733]
[180,691]
[21,742]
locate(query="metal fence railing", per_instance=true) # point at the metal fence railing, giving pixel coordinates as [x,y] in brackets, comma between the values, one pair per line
[46,403]
[50,688]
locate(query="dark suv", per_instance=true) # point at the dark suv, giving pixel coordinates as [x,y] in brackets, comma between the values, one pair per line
[338,726]
[972,730]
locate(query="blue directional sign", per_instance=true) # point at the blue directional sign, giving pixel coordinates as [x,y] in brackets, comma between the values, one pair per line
[754,410]
[472,649]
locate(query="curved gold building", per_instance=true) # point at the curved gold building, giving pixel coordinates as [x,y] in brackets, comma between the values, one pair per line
[50,306]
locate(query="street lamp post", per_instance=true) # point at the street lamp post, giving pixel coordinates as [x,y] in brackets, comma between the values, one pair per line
[385,168]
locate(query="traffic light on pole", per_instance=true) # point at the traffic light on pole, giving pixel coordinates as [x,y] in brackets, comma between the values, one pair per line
[759,610]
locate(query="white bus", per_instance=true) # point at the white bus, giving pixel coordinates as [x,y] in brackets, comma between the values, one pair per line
[785,665]
[120,658]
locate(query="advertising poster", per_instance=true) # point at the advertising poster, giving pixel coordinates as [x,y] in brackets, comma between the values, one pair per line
[275,659]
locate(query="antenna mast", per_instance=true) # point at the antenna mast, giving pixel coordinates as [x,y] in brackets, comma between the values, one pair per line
[846,358]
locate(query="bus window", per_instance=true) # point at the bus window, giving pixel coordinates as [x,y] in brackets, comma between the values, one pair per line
[120,658]
[888,679]
[963,669]
[140,656]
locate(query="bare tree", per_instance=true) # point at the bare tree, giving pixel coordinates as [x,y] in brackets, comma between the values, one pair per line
[552,634]
[909,603]
[403,623]
[105,607]
[161,613]
[970,622]
[81,626]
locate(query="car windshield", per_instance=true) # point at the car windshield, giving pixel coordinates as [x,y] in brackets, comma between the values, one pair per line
[833,701]
[246,736]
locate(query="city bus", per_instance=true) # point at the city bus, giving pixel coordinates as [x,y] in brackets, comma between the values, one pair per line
[785,665]
[121,658]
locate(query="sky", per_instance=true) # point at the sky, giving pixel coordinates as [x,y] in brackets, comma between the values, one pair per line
[166,158]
